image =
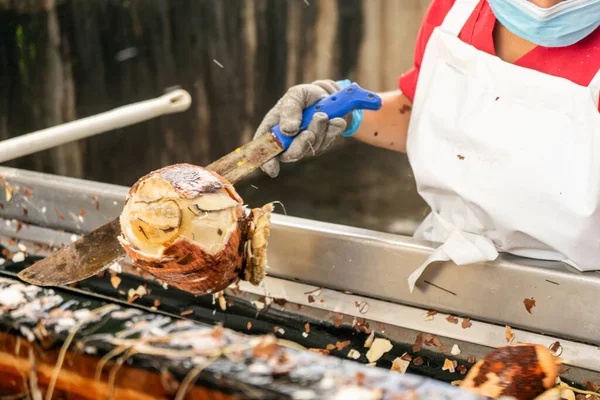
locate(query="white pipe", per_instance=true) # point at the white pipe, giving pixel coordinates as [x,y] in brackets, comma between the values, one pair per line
[173,102]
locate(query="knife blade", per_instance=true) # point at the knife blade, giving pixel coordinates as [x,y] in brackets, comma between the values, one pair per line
[96,251]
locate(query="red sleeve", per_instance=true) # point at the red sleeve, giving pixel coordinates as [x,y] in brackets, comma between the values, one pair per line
[434,17]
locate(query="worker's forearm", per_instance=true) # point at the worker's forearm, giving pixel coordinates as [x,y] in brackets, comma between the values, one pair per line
[388,126]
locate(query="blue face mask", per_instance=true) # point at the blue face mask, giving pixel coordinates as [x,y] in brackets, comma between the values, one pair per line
[561,25]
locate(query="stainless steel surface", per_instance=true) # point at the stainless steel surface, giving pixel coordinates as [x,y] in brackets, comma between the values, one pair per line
[364,262]
[399,333]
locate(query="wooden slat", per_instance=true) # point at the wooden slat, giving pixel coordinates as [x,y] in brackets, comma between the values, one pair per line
[76,378]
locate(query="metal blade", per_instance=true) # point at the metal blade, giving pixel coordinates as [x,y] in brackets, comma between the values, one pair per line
[82,259]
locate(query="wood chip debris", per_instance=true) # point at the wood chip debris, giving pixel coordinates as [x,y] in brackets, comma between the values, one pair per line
[466,323]
[427,340]
[258,304]
[341,345]
[509,334]
[462,369]
[400,365]
[186,312]
[156,302]
[529,304]
[222,302]
[360,325]
[455,350]
[471,359]
[18,257]
[369,340]
[354,354]
[307,327]
[452,319]
[378,349]
[418,361]
[115,281]
[429,315]
[416,347]
[134,294]
[448,366]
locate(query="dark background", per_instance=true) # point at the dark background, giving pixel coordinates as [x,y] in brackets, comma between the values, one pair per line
[62,60]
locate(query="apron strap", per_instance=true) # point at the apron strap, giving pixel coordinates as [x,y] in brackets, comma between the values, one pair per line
[595,86]
[458,15]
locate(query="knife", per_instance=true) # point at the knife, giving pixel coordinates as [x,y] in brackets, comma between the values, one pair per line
[96,251]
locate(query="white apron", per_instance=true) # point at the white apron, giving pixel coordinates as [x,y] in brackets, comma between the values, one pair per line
[507,158]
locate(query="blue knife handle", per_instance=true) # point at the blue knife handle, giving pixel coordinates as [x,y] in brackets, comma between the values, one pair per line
[337,105]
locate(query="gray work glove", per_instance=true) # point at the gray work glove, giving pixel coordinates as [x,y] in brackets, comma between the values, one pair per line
[319,135]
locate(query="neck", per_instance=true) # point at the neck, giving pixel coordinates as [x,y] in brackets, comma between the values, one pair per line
[510,47]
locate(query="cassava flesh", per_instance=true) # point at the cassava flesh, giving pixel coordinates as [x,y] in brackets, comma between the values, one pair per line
[187,226]
[522,371]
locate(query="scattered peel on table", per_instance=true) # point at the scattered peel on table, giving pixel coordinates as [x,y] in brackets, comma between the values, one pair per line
[455,350]
[509,334]
[429,315]
[369,341]
[115,281]
[400,365]
[378,349]
[529,304]
[522,371]
[416,347]
[188,227]
[354,354]
[341,345]
[448,366]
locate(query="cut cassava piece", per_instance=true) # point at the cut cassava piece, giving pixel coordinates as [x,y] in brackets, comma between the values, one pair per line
[97,250]
[522,371]
[188,227]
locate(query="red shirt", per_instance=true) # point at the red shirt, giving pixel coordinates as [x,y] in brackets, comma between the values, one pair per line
[579,62]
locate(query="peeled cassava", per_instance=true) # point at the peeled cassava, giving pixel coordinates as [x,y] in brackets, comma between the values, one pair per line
[523,371]
[187,226]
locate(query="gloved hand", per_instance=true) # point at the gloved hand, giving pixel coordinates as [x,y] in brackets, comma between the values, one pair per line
[321,131]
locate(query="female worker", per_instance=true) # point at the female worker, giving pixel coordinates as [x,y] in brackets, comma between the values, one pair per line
[499,118]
